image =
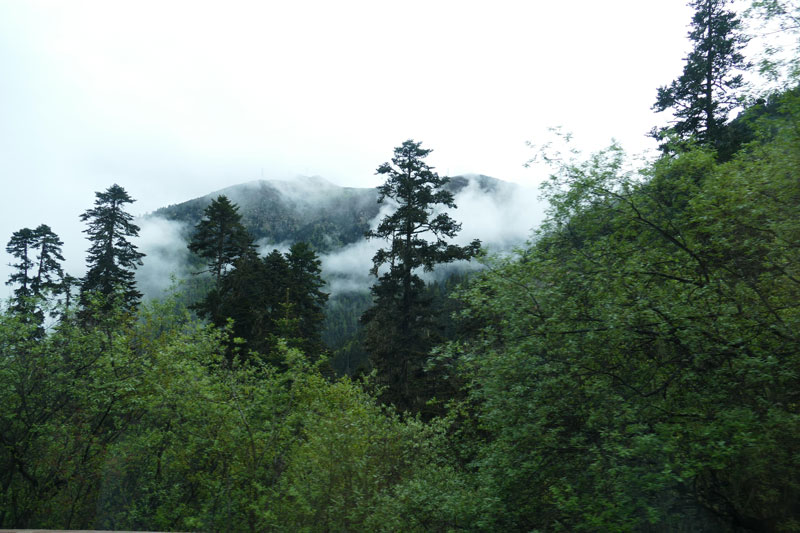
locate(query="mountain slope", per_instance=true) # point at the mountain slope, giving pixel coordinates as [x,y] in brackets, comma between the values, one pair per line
[309,209]
[333,220]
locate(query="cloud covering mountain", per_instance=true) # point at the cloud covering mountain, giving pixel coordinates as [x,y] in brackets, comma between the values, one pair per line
[333,220]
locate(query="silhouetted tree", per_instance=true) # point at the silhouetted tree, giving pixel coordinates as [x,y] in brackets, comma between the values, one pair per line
[112,257]
[400,326]
[49,272]
[271,298]
[305,295]
[20,246]
[704,94]
[220,237]
[38,270]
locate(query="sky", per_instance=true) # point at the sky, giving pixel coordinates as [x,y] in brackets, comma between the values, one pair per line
[175,99]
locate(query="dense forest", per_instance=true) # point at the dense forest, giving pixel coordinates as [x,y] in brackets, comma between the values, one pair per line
[634,367]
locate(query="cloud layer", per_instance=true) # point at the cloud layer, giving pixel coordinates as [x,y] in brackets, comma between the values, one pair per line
[166,255]
[500,220]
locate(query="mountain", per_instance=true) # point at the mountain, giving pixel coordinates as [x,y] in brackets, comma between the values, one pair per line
[333,220]
[309,209]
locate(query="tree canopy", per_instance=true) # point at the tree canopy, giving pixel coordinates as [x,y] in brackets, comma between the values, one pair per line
[220,237]
[38,270]
[705,93]
[400,325]
[112,257]
[633,367]
[637,364]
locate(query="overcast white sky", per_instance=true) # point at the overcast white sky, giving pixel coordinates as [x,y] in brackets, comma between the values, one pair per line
[175,99]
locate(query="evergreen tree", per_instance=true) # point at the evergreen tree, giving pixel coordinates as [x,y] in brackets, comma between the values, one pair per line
[305,284]
[39,268]
[20,246]
[271,298]
[220,237]
[704,94]
[112,257]
[243,295]
[49,273]
[277,310]
[400,329]
[66,290]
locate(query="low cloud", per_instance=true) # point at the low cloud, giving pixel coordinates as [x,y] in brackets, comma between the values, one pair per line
[166,256]
[347,269]
[501,219]
[265,247]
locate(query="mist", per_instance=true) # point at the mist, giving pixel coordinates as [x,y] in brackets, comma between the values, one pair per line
[501,220]
[166,256]
[284,90]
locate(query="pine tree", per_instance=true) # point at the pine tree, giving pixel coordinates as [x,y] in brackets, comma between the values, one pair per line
[66,290]
[271,298]
[400,326]
[277,311]
[220,237]
[703,96]
[49,273]
[308,301]
[242,294]
[21,247]
[112,257]
[38,271]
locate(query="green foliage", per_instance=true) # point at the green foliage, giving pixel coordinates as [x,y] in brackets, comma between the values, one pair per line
[637,364]
[780,24]
[21,246]
[633,368]
[48,269]
[36,275]
[351,453]
[112,257]
[220,237]
[271,298]
[342,331]
[399,326]
[249,295]
[304,286]
[704,94]
[148,425]
[66,397]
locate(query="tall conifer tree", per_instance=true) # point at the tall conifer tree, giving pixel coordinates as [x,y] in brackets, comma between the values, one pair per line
[38,270]
[703,96]
[112,257]
[21,247]
[220,237]
[400,328]
[49,272]
[277,296]
[305,292]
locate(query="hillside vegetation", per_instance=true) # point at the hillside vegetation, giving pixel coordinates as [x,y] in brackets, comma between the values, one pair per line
[635,366]
[307,209]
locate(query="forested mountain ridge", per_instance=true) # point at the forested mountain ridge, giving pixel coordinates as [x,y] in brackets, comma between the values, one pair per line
[329,218]
[633,367]
[310,209]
